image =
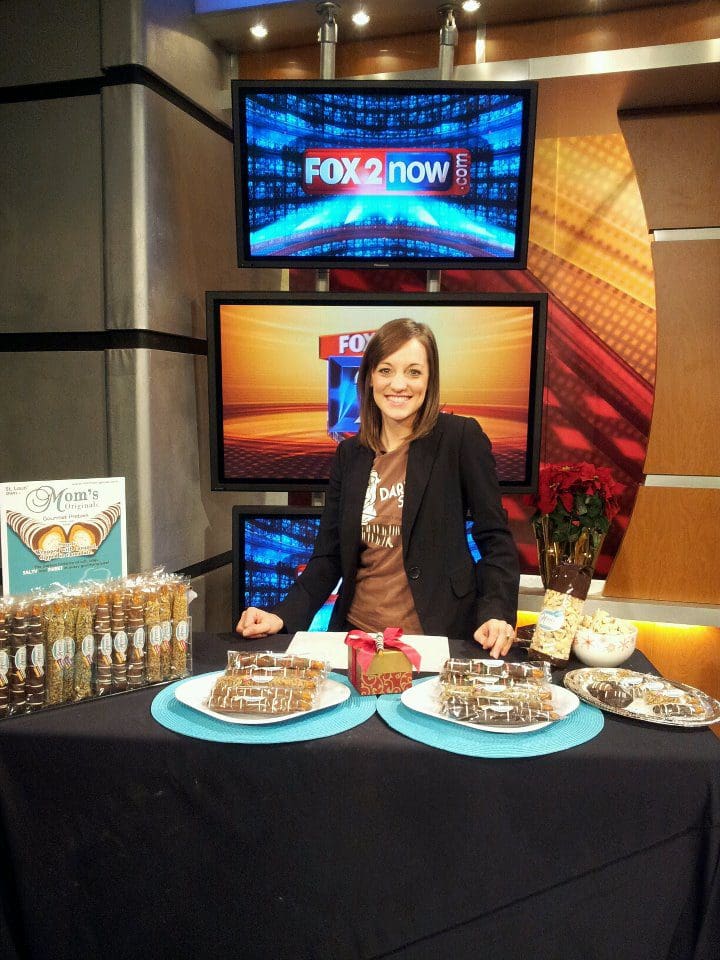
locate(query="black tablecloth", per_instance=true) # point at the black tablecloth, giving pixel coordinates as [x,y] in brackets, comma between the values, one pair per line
[121,839]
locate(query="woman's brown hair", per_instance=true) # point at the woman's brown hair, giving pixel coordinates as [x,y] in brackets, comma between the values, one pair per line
[389,338]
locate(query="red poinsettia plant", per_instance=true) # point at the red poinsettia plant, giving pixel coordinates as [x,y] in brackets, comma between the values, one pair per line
[576,498]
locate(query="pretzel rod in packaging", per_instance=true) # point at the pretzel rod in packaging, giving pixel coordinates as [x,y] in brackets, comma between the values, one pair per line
[4,664]
[68,663]
[54,622]
[180,630]
[18,662]
[103,647]
[35,657]
[84,652]
[165,614]
[153,638]
[119,642]
[136,641]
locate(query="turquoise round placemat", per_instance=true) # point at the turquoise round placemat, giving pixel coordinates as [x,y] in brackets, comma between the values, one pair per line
[182,719]
[581,725]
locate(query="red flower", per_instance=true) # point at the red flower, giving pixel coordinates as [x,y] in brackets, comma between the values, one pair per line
[575,495]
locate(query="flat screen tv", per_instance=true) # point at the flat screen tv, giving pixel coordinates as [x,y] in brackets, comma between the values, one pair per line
[270,547]
[282,370]
[383,173]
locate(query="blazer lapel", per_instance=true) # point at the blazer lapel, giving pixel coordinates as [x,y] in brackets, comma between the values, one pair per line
[421,457]
[355,482]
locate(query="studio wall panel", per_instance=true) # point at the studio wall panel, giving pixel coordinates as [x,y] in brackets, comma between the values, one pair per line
[152,435]
[170,215]
[53,420]
[51,271]
[42,41]
[686,413]
[166,37]
[676,154]
[670,549]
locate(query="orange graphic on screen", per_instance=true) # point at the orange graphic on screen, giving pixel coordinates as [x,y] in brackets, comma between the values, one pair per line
[275,368]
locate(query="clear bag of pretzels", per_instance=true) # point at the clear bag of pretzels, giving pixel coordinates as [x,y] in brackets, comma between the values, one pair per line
[264,683]
[561,614]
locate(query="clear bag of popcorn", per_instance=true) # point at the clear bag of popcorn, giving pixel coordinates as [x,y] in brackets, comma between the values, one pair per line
[561,614]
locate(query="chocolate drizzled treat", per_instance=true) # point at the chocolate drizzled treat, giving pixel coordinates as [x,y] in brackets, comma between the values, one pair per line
[17,700]
[180,631]
[610,693]
[496,714]
[119,642]
[239,659]
[4,664]
[136,641]
[229,696]
[103,647]
[35,658]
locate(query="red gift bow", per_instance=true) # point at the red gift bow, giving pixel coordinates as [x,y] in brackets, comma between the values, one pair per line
[364,644]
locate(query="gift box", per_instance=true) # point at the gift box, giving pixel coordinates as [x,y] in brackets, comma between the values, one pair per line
[380,662]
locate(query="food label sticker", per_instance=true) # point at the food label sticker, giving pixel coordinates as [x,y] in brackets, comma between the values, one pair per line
[87,645]
[37,655]
[181,630]
[4,663]
[139,638]
[551,620]
[120,641]
[105,644]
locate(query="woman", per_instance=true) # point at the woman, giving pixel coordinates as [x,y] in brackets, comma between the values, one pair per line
[393,526]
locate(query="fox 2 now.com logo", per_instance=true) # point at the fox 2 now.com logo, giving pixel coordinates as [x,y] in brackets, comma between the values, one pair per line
[388,171]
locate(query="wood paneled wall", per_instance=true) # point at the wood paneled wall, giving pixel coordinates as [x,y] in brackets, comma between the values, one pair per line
[670,550]
[686,414]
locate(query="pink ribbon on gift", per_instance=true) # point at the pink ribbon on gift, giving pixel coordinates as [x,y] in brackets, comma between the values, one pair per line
[366,646]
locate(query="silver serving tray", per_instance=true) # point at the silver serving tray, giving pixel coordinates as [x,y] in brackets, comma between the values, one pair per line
[630,682]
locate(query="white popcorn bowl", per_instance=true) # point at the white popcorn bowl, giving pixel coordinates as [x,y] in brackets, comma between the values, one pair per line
[604,649]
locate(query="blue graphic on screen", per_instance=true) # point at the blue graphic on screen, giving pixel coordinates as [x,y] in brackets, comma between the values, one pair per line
[373,175]
[343,407]
[276,550]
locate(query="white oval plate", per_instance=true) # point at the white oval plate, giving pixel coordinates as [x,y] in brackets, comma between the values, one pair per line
[422,697]
[196,691]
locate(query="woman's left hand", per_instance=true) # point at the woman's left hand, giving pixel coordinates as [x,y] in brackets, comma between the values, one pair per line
[496,636]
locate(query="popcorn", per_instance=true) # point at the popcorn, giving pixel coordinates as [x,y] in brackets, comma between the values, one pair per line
[602,622]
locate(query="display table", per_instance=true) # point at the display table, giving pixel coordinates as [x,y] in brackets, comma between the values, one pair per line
[121,839]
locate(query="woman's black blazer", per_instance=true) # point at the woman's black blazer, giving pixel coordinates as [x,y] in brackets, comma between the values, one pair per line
[450,475]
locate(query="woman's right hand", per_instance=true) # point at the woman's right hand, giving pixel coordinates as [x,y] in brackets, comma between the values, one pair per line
[258,623]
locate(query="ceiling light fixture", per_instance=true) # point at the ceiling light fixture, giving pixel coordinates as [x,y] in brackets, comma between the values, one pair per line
[471,6]
[259,31]
[360,18]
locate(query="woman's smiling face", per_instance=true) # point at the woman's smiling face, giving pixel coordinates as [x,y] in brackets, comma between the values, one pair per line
[399,384]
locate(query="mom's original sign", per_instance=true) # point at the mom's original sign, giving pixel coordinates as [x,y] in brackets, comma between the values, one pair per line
[62,531]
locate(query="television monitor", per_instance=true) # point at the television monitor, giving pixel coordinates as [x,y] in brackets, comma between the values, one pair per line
[282,371]
[270,547]
[377,173]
